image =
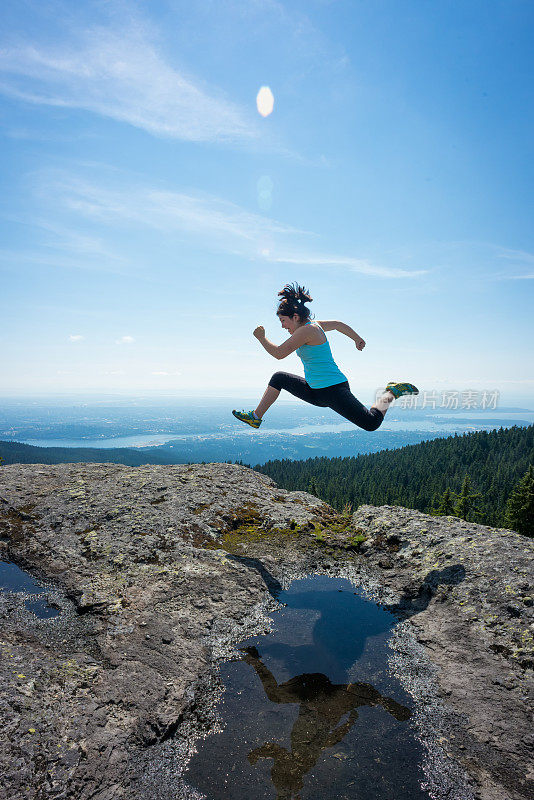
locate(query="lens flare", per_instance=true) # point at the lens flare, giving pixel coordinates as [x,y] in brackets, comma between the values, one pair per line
[265,187]
[265,184]
[265,101]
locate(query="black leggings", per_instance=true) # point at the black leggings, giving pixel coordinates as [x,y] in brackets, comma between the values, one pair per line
[337,397]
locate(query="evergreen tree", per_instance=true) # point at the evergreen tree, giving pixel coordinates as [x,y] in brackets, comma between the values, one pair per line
[312,487]
[520,506]
[446,506]
[465,500]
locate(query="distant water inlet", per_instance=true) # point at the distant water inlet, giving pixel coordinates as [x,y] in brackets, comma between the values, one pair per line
[311,710]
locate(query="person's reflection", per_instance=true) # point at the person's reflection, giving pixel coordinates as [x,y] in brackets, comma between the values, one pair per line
[322,706]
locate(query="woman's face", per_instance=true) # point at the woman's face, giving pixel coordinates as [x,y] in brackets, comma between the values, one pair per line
[290,323]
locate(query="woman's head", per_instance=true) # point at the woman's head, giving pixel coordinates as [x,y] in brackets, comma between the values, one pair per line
[291,308]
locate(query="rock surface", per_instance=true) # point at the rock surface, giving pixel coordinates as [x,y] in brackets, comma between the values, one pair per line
[160,570]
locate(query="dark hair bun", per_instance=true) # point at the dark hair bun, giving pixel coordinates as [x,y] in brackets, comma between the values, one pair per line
[293,293]
[292,302]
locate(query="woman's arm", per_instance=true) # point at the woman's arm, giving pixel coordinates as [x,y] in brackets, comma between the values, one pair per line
[286,348]
[334,325]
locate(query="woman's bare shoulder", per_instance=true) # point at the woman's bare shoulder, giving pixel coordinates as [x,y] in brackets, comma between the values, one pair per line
[315,334]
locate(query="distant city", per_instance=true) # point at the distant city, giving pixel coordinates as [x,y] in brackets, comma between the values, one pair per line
[204,430]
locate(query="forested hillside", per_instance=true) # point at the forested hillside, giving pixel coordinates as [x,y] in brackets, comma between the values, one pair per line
[418,476]
[18,453]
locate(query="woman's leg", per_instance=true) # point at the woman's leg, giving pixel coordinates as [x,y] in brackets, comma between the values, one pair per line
[269,396]
[293,384]
[342,401]
[393,392]
[384,402]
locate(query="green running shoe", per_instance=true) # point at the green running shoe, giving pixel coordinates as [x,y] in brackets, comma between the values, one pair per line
[248,417]
[400,389]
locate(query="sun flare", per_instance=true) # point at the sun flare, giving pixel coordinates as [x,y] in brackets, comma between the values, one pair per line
[265,101]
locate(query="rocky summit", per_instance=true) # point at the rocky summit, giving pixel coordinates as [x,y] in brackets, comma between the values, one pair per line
[158,572]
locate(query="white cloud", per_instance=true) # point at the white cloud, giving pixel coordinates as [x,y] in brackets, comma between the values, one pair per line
[361,265]
[165,210]
[164,373]
[219,224]
[518,258]
[12,260]
[120,74]
[72,241]
[515,255]
[125,340]
[63,247]
[76,337]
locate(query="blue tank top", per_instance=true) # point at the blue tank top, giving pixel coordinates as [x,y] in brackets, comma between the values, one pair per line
[320,369]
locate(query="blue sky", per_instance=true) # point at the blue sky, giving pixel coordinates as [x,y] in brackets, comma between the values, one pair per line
[150,214]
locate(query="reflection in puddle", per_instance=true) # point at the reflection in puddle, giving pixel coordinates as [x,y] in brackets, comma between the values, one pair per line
[14,579]
[322,706]
[311,709]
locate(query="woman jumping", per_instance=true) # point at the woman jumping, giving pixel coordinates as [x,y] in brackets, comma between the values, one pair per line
[324,384]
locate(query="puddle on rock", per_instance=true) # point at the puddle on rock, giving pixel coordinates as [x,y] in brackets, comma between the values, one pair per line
[312,710]
[14,579]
